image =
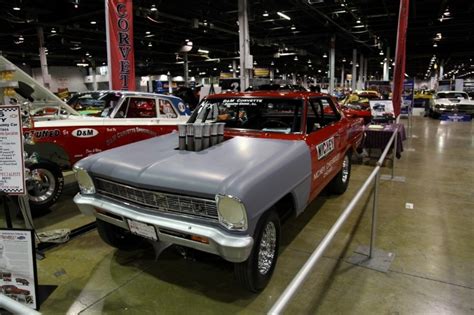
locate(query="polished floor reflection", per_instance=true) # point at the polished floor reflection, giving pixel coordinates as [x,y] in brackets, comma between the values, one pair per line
[433,271]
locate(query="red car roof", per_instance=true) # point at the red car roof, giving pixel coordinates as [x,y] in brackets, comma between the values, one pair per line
[278,94]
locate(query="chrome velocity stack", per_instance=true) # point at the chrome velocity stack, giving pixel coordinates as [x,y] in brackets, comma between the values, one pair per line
[182,137]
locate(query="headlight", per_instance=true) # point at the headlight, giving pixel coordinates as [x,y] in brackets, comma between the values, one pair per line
[86,185]
[232,213]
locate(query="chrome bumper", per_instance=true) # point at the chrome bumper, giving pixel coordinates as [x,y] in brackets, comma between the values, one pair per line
[234,248]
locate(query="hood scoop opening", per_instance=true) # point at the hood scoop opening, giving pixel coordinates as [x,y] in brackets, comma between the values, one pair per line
[200,136]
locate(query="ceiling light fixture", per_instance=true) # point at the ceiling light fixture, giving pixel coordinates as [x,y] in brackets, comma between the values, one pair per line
[265,14]
[203,51]
[150,44]
[93,22]
[343,59]
[53,31]
[325,56]
[296,58]
[358,21]
[153,8]
[293,27]
[16,8]
[147,32]
[283,15]
[435,45]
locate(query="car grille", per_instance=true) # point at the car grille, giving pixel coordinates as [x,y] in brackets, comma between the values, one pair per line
[158,201]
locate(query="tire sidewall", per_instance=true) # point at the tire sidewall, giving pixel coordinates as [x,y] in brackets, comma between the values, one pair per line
[260,280]
[59,184]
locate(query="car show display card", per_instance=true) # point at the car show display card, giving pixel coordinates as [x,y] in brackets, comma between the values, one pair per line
[12,174]
[18,277]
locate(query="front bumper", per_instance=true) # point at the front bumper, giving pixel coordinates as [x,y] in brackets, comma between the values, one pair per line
[454,109]
[234,248]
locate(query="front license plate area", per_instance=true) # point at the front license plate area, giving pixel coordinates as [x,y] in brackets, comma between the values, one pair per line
[142,229]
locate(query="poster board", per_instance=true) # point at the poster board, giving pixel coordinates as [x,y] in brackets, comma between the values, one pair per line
[12,166]
[381,109]
[18,274]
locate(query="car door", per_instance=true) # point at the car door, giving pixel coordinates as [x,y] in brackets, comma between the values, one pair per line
[325,139]
[131,120]
[168,117]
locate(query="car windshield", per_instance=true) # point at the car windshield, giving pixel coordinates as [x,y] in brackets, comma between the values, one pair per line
[452,95]
[264,114]
[95,102]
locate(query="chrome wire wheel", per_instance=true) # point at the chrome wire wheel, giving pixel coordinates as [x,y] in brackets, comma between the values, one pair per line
[345,169]
[42,186]
[267,248]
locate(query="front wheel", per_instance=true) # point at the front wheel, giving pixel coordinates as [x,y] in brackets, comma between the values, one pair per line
[338,184]
[45,185]
[255,273]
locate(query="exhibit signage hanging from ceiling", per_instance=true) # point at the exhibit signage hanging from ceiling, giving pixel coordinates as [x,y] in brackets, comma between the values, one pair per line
[120,51]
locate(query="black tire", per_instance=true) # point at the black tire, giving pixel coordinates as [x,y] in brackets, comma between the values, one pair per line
[252,274]
[118,237]
[339,183]
[46,185]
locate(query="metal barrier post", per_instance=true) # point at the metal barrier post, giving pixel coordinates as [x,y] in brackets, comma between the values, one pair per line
[394,152]
[374,213]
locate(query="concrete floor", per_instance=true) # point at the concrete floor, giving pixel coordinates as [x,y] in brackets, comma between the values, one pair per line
[432,273]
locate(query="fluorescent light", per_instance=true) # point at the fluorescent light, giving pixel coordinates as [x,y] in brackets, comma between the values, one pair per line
[150,44]
[16,8]
[283,15]
[147,32]
[53,31]
[293,27]
[82,64]
[296,58]
[325,56]
[358,21]
[153,8]
[265,14]
[203,51]
[93,22]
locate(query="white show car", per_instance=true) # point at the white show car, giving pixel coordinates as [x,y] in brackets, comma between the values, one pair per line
[451,102]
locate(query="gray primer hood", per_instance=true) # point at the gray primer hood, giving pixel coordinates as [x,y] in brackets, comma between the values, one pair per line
[257,171]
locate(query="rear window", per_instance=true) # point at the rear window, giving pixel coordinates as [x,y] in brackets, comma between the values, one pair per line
[264,114]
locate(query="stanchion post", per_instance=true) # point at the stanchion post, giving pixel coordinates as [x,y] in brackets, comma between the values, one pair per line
[394,152]
[374,213]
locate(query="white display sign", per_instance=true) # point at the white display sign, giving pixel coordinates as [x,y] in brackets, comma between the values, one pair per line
[12,174]
[381,108]
[18,278]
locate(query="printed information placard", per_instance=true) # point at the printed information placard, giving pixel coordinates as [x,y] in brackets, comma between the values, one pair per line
[18,278]
[12,174]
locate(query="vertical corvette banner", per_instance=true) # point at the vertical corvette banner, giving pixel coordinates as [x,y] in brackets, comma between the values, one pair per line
[400,56]
[120,51]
